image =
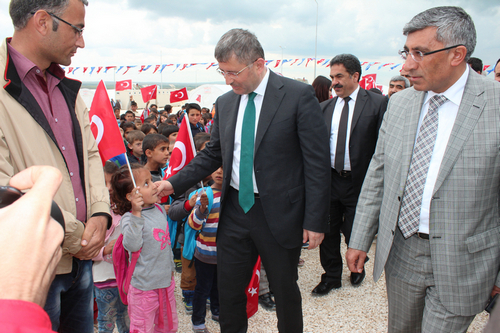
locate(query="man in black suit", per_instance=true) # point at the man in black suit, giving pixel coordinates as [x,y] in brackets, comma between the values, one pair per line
[287,202]
[353,119]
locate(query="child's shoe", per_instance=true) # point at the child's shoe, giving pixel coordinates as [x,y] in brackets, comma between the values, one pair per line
[178,265]
[188,300]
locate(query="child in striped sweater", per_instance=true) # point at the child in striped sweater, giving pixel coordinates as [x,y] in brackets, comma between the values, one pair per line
[205,217]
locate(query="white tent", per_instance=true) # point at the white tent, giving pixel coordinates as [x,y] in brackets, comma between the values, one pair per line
[205,95]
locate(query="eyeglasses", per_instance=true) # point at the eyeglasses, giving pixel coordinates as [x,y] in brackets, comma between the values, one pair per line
[234,74]
[78,31]
[418,56]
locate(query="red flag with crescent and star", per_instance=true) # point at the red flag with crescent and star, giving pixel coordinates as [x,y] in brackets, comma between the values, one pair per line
[148,93]
[183,151]
[104,126]
[123,85]
[178,95]
[253,290]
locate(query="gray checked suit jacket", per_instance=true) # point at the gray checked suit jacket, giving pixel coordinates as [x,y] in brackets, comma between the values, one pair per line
[464,226]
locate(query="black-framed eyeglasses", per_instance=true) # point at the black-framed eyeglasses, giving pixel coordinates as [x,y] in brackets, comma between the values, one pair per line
[234,74]
[418,56]
[78,31]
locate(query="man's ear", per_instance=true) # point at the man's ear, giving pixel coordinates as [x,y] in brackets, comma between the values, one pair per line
[42,22]
[458,55]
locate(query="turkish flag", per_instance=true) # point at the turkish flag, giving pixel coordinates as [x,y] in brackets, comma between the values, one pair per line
[123,85]
[368,81]
[253,290]
[148,93]
[183,151]
[104,126]
[178,95]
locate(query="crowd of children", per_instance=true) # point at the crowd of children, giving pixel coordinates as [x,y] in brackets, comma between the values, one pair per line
[153,234]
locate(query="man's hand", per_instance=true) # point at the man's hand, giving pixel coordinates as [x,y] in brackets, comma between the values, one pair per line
[355,260]
[164,188]
[30,240]
[314,238]
[496,290]
[93,237]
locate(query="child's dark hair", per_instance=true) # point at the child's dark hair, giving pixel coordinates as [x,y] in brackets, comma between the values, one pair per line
[200,139]
[147,127]
[122,184]
[128,124]
[193,106]
[110,167]
[152,140]
[129,111]
[169,130]
[135,135]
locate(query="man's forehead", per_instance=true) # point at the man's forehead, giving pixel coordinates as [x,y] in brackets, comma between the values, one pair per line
[337,69]
[421,39]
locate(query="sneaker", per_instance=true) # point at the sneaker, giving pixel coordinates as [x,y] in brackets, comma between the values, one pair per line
[215,318]
[305,245]
[267,302]
[187,299]
[178,265]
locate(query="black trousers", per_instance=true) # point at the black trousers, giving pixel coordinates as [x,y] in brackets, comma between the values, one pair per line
[240,239]
[343,200]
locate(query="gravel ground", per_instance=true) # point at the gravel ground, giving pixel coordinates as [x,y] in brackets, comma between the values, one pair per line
[348,309]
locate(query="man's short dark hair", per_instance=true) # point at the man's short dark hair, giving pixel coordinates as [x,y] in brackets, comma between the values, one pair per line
[200,139]
[241,43]
[151,141]
[22,10]
[349,61]
[476,64]
[193,106]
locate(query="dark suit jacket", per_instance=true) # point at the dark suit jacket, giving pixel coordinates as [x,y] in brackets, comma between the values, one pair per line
[366,120]
[291,160]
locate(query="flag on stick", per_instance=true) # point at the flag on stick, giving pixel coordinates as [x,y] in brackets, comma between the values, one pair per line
[253,290]
[178,95]
[104,126]
[148,93]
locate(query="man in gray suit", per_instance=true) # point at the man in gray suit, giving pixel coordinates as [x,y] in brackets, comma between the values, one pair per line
[283,167]
[432,188]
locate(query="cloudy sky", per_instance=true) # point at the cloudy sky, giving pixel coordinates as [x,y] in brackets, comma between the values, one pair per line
[150,32]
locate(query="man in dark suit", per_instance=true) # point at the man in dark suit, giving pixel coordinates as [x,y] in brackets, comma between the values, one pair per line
[273,205]
[353,119]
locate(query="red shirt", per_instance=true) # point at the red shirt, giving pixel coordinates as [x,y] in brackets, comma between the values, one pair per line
[52,102]
[23,317]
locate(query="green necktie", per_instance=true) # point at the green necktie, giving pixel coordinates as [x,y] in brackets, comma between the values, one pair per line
[246,195]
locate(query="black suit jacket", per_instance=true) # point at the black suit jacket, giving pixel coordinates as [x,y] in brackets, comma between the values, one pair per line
[366,120]
[291,159]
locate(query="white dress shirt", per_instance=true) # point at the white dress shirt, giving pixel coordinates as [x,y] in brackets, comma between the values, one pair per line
[447,115]
[334,132]
[258,99]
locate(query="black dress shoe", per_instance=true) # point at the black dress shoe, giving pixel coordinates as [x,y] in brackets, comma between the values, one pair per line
[267,302]
[324,288]
[357,278]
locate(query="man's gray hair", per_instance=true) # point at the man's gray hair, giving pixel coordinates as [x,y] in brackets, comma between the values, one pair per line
[400,78]
[242,43]
[22,10]
[454,26]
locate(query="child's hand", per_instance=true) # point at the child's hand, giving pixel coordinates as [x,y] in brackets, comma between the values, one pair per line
[203,202]
[137,202]
[109,248]
[192,201]
[167,207]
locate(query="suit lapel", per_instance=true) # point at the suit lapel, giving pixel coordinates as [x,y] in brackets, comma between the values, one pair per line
[469,111]
[410,132]
[272,100]
[230,124]
[358,107]
[328,115]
